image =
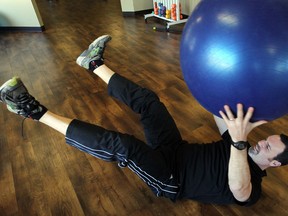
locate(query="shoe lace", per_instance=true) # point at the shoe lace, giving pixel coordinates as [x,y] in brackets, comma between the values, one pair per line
[28,104]
[25,98]
[22,127]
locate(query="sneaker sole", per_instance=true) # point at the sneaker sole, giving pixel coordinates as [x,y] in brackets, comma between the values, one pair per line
[4,85]
[91,46]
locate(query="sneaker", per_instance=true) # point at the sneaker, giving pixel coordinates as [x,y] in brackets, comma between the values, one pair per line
[93,56]
[18,100]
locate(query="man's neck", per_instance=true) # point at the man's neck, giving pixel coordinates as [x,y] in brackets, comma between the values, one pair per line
[259,165]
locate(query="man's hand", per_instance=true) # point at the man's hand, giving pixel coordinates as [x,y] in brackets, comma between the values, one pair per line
[239,127]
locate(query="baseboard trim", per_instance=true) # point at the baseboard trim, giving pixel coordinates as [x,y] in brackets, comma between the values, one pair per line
[134,13]
[21,29]
[131,14]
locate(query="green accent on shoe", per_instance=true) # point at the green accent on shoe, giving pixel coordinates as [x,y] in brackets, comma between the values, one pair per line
[13,82]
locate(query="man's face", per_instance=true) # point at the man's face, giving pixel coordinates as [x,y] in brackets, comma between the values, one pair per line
[265,150]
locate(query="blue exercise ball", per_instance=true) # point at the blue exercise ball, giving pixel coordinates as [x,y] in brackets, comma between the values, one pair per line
[237,52]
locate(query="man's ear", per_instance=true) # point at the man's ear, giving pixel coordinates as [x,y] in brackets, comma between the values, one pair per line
[275,163]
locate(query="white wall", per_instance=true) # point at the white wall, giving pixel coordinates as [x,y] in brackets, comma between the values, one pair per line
[19,13]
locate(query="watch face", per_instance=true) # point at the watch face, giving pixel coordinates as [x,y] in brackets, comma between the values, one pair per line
[240,145]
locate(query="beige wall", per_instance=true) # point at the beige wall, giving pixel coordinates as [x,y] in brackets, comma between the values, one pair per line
[188,6]
[19,13]
[136,5]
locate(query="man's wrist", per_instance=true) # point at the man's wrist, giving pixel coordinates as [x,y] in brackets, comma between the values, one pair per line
[240,145]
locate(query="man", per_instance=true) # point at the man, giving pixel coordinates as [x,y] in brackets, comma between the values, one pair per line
[224,172]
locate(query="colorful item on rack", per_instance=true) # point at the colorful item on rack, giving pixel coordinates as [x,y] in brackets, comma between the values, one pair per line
[168,9]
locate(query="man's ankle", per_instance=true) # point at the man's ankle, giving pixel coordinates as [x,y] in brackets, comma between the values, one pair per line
[41,110]
[94,64]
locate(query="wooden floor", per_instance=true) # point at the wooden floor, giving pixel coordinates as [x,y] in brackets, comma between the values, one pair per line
[41,175]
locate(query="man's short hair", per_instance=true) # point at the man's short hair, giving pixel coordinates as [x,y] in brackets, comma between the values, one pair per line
[283,157]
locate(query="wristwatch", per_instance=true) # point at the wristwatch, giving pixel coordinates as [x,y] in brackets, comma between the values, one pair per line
[240,145]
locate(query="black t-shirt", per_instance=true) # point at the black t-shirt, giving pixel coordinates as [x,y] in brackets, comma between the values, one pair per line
[202,173]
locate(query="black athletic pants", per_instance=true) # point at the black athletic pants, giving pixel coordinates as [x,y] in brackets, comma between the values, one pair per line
[152,162]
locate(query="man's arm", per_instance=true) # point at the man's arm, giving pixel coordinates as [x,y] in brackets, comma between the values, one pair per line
[240,192]
[239,177]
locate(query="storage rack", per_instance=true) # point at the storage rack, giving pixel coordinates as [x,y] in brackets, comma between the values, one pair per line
[168,4]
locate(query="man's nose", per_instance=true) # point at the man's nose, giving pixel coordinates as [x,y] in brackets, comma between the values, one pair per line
[262,144]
